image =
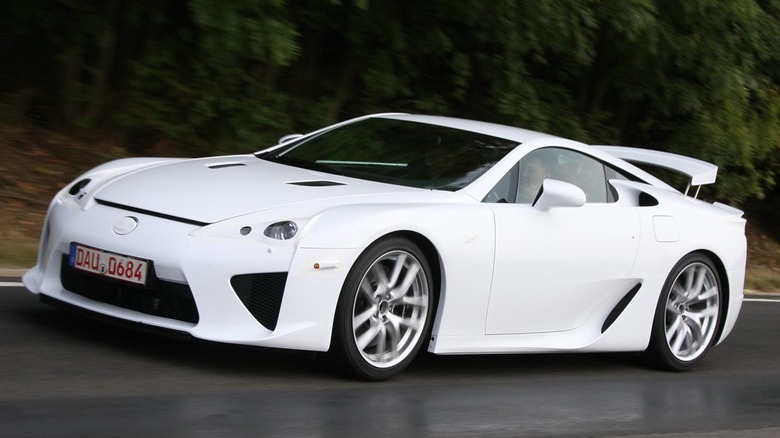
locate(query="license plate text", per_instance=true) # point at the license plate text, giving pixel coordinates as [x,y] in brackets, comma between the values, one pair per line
[108,264]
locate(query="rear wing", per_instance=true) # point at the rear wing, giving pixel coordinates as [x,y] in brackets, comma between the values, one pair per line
[699,172]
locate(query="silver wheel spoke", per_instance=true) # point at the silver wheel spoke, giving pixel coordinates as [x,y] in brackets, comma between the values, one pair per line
[411,323]
[369,335]
[703,314]
[381,276]
[380,340]
[367,290]
[670,331]
[394,333]
[695,329]
[700,274]
[399,264]
[680,338]
[690,278]
[704,296]
[411,276]
[411,301]
[358,320]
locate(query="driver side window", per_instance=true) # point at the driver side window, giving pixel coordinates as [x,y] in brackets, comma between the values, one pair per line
[521,184]
[534,169]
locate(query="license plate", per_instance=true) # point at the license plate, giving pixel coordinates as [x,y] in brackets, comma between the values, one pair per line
[109,264]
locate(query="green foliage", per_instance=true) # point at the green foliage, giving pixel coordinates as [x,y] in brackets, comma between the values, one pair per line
[211,81]
[698,77]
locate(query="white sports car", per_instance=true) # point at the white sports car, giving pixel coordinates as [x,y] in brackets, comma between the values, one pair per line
[376,237]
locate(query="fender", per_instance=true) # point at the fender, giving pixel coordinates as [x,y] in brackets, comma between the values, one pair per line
[357,226]
[462,234]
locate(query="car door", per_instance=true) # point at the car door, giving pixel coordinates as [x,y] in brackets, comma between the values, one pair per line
[554,270]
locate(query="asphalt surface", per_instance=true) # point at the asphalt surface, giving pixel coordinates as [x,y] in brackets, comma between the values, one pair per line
[63,375]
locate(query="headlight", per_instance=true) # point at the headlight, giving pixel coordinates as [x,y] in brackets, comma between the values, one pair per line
[281,230]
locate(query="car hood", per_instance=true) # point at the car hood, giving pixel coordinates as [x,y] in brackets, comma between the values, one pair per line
[210,190]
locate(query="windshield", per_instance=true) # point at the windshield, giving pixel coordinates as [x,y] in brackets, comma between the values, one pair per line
[397,152]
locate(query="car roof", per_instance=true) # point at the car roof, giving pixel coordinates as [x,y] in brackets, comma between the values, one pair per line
[507,132]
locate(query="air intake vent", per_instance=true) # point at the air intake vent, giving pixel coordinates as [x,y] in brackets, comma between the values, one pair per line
[222,166]
[262,295]
[620,307]
[163,298]
[646,200]
[316,183]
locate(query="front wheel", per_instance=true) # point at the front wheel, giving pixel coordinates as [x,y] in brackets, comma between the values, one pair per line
[384,311]
[687,316]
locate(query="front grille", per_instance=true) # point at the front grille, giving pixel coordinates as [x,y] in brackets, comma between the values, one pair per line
[162,298]
[261,295]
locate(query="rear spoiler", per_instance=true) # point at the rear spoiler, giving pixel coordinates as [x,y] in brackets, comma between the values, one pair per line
[699,172]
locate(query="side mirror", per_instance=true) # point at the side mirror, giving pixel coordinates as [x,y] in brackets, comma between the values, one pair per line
[290,137]
[556,193]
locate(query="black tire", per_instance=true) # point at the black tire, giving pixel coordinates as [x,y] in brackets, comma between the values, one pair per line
[688,314]
[381,321]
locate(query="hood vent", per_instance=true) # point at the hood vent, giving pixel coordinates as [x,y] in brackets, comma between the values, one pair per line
[222,166]
[316,183]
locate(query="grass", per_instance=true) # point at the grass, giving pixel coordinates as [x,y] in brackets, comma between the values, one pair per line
[18,254]
[762,279]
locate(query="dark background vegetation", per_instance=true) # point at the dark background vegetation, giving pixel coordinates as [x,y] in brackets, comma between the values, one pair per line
[697,77]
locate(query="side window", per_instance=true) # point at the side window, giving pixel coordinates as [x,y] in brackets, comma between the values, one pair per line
[612,173]
[564,165]
[534,169]
[521,185]
[506,189]
[586,173]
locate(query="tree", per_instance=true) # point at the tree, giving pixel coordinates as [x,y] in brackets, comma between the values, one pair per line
[698,77]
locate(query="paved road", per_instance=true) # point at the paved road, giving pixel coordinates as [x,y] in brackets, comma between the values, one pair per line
[61,375]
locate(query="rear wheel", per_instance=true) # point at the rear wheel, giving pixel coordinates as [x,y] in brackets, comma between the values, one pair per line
[384,311]
[687,316]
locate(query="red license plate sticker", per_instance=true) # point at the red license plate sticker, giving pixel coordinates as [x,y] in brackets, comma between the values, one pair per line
[109,264]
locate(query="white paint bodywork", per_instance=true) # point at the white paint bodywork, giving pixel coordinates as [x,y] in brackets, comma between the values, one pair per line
[513,278]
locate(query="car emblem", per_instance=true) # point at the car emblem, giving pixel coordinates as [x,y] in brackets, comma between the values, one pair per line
[126,225]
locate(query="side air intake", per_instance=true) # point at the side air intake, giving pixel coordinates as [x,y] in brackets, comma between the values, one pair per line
[262,295]
[620,307]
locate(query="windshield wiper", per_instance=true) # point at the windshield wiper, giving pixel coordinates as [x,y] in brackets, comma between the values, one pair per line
[303,164]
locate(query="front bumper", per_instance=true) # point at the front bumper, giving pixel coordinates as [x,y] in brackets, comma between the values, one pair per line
[216,270]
